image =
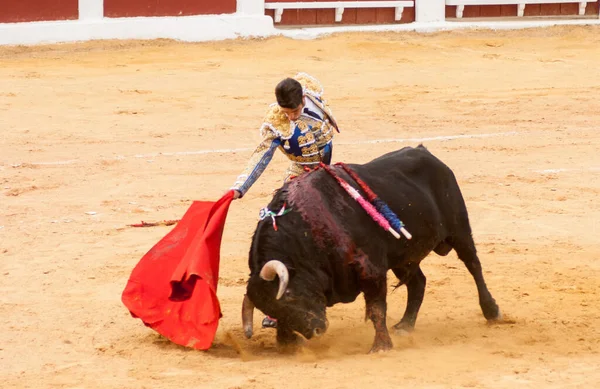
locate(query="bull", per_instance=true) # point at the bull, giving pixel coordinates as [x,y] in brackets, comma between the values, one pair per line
[327,250]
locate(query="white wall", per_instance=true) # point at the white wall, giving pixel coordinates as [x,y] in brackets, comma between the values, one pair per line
[250,22]
[185,28]
[251,7]
[430,11]
[91,9]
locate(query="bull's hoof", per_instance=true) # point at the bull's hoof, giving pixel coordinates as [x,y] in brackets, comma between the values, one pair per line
[289,343]
[496,319]
[492,313]
[403,327]
[290,348]
[287,338]
[490,309]
[381,346]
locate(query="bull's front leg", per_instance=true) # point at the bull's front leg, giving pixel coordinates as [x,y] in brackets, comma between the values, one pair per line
[286,337]
[376,307]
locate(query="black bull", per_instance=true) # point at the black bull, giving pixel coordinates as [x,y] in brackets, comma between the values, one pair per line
[327,250]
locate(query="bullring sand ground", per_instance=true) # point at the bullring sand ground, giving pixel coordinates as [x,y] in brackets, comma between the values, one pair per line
[104,127]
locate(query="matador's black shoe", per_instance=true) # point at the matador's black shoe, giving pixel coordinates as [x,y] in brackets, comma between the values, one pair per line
[269,322]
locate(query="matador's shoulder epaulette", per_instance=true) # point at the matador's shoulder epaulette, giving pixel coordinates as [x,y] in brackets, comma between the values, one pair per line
[310,85]
[277,121]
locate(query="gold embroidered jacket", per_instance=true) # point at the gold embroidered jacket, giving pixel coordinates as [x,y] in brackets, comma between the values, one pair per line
[303,141]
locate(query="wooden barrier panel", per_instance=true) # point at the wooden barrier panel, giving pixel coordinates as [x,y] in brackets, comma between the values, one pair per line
[510,10]
[16,11]
[133,8]
[350,16]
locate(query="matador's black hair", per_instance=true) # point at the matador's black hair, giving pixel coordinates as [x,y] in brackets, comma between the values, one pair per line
[289,93]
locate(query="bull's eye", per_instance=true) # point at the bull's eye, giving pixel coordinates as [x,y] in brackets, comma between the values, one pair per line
[288,295]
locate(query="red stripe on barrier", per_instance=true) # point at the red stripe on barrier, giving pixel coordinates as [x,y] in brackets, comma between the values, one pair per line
[134,8]
[38,10]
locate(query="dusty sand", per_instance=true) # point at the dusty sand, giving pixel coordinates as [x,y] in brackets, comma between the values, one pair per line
[83,126]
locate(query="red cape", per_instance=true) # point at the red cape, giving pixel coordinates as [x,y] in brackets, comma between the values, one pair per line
[173,288]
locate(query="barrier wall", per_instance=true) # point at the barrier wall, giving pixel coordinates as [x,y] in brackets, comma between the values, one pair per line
[17,11]
[303,17]
[51,21]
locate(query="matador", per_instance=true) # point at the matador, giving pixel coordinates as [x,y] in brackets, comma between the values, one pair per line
[300,124]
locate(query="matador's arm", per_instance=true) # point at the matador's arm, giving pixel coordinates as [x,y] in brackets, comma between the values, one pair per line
[258,162]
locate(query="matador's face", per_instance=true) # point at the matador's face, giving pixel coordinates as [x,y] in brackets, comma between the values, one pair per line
[294,113]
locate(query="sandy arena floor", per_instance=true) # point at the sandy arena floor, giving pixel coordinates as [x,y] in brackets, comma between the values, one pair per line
[104,126]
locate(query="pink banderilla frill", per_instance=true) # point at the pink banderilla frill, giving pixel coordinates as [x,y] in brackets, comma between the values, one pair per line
[367,206]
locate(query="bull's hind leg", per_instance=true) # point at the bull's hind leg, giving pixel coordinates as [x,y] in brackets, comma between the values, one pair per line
[415,286]
[466,251]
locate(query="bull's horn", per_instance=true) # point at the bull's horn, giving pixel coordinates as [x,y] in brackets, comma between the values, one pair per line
[247,314]
[272,268]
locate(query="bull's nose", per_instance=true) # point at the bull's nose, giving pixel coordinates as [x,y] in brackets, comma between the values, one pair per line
[321,328]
